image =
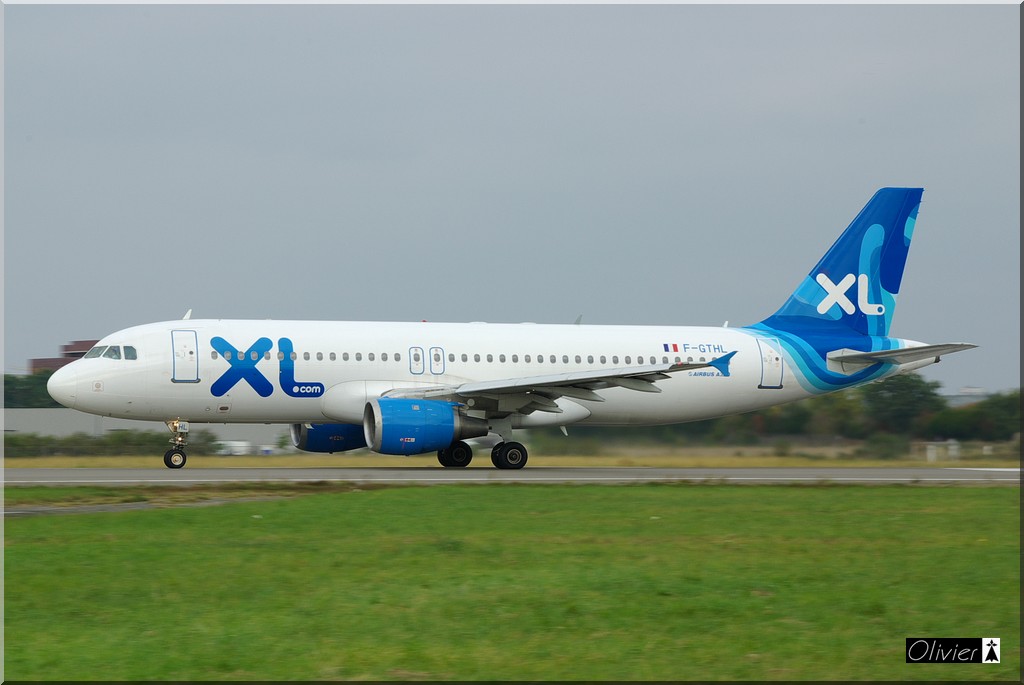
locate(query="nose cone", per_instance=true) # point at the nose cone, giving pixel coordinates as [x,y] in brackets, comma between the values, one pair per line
[63,386]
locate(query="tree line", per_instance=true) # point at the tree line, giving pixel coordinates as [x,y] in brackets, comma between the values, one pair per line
[906,406]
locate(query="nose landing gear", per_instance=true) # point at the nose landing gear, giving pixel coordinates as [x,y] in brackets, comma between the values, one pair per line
[175,457]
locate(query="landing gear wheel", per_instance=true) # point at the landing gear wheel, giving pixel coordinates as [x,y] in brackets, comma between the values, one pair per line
[174,458]
[460,454]
[509,455]
[457,455]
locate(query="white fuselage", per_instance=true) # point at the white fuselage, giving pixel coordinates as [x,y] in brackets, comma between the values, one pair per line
[178,372]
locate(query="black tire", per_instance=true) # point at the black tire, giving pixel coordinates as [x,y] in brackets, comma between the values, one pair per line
[174,458]
[460,454]
[444,457]
[511,455]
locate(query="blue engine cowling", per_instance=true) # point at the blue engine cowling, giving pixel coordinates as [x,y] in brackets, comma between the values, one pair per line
[401,426]
[327,437]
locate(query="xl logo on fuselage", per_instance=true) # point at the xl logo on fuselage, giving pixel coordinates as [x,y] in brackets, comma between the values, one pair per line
[836,294]
[243,367]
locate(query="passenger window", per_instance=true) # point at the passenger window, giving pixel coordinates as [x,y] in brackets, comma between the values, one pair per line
[552,358]
[280,356]
[476,357]
[334,357]
[565,359]
[615,359]
[604,359]
[359,356]
[319,356]
[130,353]
[628,359]
[213,355]
[113,352]
[95,352]
[294,356]
[526,359]
[254,355]
[344,356]
[465,357]
[305,356]
[398,357]
[515,358]
[490,358]
[540,358]
[369,357]
[578,359]
[501,358]
[451,356]
[590,359]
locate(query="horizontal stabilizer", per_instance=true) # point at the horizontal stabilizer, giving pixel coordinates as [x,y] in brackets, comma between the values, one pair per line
[850,361]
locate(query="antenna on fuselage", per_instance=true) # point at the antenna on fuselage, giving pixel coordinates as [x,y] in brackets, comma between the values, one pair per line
[188,315]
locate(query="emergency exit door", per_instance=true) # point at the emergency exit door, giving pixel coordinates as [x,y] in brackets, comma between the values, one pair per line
[771,364]
[185,362]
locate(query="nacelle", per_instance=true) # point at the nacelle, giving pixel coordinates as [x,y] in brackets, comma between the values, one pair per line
[401,426]
[327,437]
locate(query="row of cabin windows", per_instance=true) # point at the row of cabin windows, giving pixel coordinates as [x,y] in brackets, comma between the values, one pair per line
[502,359]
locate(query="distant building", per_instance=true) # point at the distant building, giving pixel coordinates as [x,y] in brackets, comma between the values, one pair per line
[968,395]
[75,349]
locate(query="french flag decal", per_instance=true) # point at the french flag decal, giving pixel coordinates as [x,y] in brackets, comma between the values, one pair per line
[671,347]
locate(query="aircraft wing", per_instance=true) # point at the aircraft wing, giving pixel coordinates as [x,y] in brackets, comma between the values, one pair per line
[849,361]
[539,393]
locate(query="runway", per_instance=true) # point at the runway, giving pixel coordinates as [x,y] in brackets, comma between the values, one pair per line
[536,475]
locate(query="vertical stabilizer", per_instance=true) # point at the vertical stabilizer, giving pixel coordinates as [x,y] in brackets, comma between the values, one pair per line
[853,288]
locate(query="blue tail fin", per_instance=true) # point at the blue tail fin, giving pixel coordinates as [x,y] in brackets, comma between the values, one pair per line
[853,288]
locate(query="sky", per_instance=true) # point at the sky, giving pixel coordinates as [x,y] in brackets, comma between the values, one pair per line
[660,164]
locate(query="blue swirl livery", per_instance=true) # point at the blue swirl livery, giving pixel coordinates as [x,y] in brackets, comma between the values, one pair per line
[843,308]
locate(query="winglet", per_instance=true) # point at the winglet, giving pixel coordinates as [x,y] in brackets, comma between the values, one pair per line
[722,363]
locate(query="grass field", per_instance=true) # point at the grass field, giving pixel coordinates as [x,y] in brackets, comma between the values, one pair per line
[663,582]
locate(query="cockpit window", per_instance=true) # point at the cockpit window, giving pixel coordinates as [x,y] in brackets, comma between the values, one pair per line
[130,353]
[95,352]
[113,352]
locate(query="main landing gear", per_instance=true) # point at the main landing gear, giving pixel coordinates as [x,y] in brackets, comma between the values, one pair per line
[504,455]
[456,455]
[175,457]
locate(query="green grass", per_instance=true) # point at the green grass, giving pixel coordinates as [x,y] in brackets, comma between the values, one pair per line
[664,582]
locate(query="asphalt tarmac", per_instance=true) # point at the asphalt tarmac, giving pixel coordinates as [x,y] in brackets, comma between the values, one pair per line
[438,475]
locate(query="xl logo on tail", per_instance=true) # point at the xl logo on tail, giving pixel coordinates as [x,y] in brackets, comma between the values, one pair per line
[836,294]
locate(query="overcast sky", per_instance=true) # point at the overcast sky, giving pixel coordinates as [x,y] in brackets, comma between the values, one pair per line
[682,164]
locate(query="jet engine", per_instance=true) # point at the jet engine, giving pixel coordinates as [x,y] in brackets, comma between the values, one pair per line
[404,426]
[327,437]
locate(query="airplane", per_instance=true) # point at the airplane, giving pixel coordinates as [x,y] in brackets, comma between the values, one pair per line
[405,388]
